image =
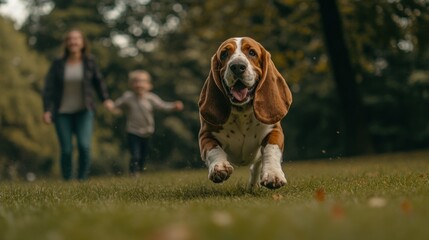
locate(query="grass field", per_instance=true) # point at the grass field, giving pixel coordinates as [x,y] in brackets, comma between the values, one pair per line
[377,197]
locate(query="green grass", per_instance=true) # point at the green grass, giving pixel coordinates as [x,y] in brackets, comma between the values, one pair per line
[323,200]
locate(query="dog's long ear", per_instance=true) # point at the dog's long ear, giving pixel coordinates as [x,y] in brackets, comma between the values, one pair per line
[273,96]
[213,104]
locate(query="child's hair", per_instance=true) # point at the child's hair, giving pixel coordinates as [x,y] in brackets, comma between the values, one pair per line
[134,74]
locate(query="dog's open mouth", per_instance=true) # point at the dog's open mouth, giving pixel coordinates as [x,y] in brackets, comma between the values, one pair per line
[240,93]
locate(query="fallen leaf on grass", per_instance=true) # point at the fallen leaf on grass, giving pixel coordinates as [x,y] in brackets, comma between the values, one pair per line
[320,195]
[377,202]
[406,207]
[337,211]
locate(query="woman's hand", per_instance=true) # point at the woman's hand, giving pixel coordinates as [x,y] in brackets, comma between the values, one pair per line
[109,105]
[47,117]
[178,105]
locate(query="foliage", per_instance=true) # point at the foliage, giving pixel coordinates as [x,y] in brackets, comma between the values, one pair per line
[26,145]
[390,52]
[379,197]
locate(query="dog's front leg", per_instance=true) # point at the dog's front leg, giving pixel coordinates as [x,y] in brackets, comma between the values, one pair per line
[219,167]
[272,175]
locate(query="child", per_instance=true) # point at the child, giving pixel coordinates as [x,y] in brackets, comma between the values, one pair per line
[138,105]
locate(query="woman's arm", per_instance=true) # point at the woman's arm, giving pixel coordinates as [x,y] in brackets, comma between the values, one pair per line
[48,89]
[48,94]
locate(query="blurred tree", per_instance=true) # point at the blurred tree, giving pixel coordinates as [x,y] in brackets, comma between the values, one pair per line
[356,132]
[389,50]
[25,144]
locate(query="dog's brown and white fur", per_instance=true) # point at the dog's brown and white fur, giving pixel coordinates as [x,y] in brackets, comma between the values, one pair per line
[241,105]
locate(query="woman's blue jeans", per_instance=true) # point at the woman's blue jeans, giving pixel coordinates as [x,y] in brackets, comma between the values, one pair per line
[79,124]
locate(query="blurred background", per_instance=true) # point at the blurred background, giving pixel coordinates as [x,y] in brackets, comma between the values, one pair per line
[358,70]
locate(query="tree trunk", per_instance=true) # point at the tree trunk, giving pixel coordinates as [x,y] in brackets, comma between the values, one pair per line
[355,126]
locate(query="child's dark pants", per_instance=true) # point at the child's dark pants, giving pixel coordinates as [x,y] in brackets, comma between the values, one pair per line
[139,147]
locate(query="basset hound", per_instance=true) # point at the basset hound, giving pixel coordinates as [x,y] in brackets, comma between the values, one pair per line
[241,104]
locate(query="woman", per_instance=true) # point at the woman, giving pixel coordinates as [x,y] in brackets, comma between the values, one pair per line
[68,101]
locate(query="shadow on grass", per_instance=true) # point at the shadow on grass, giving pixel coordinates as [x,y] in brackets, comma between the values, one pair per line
[193,192]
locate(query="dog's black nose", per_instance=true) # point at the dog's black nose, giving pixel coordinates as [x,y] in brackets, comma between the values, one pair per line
[238,68]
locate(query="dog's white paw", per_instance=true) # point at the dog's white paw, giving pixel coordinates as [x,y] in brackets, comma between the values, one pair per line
[273,178]
[221,171]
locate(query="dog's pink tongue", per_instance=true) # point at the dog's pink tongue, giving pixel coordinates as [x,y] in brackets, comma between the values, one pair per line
[239,93]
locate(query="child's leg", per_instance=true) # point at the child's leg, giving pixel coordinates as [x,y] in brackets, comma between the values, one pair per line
[144,150]
[134,147]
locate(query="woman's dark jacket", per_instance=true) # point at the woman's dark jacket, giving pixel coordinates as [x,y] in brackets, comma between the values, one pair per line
[54,84]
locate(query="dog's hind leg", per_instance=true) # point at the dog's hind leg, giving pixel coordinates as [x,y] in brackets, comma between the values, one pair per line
[255,175]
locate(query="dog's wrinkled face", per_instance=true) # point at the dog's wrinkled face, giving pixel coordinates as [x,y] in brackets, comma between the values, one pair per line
[241,69]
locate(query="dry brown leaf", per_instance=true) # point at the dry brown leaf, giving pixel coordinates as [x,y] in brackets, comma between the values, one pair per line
[337,211]
[406,207]
[320,195]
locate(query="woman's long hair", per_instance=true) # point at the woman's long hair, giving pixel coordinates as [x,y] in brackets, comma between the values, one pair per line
[85,50]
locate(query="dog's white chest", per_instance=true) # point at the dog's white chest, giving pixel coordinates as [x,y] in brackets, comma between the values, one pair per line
[241,137]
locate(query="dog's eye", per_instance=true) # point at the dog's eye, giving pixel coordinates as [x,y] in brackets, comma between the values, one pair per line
[223,55]
[252,53]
